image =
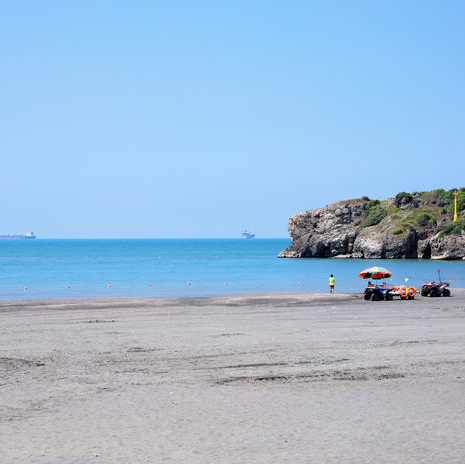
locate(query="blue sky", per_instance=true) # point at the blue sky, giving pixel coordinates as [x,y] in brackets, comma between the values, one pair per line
[200,118]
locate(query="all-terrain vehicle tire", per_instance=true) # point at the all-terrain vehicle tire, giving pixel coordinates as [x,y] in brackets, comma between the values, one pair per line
[388,297]
[433,293]
[367,296]
[375,297]
[446,292]
[424,292]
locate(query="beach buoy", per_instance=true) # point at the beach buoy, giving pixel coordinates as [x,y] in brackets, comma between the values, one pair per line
[263,283]
[188,283]
[299,282]
[149,285]
[109,285]
[403,291]
[412,291]
[69,286]
[25,288]
[226,283]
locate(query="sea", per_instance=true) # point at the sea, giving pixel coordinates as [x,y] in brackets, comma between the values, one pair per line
[164,268]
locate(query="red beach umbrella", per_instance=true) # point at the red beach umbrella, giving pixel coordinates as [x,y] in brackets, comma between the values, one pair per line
[375,272]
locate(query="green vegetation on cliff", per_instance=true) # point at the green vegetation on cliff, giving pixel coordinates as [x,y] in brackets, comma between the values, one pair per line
[422,211]
[375,216]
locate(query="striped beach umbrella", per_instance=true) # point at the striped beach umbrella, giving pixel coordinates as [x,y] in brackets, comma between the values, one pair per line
[375,272]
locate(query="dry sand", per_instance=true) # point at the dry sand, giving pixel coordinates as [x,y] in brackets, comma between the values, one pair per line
[270,378]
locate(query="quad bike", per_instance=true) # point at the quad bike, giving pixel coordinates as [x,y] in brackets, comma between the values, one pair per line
[377,293]
[433,288]
[380,293]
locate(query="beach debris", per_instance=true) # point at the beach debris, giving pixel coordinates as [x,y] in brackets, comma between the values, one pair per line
[374,373]
[140,349]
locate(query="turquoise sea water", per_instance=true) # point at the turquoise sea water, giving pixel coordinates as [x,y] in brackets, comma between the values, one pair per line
[48,267]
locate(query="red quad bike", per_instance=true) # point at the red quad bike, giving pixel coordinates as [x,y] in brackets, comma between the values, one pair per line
[435,288]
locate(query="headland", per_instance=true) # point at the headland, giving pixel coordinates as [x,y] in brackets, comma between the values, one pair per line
[418,225]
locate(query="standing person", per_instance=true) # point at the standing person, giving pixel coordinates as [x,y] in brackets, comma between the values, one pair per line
[332,280]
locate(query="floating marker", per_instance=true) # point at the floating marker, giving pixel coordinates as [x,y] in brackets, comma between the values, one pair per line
[188,283]
[69,286]
[149,285]
[263,283]
[25,288]
[299,282]
[109,285]
[226,283]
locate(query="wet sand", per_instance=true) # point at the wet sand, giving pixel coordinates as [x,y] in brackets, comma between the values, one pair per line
[269,378]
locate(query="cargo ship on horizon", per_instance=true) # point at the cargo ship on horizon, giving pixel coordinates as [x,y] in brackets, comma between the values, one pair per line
[28,236]
[247,234]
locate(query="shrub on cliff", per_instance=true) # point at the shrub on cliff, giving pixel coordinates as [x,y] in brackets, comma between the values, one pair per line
[375,216]
[449,228]
[403,198]
[372,203]
[423,219]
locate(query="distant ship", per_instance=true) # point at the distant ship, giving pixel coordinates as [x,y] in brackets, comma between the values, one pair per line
[247,234]
[28,236]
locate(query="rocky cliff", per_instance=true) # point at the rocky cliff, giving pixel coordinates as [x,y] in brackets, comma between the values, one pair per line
[417,225]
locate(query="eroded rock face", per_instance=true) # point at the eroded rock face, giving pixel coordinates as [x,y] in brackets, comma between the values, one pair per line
[450,247]
[336,231]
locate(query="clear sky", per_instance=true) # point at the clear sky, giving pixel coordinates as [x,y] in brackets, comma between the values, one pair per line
[199,118]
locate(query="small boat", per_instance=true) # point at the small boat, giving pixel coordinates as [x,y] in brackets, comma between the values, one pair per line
[247,234]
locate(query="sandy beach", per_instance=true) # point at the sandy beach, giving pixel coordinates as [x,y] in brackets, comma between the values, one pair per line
[269,378]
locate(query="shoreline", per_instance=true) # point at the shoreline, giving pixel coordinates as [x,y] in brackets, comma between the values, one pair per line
[237,299]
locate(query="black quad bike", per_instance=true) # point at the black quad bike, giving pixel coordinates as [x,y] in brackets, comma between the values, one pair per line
[433,288]
[377,294]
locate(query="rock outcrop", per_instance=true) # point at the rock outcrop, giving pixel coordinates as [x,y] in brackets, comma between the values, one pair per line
[411,227]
